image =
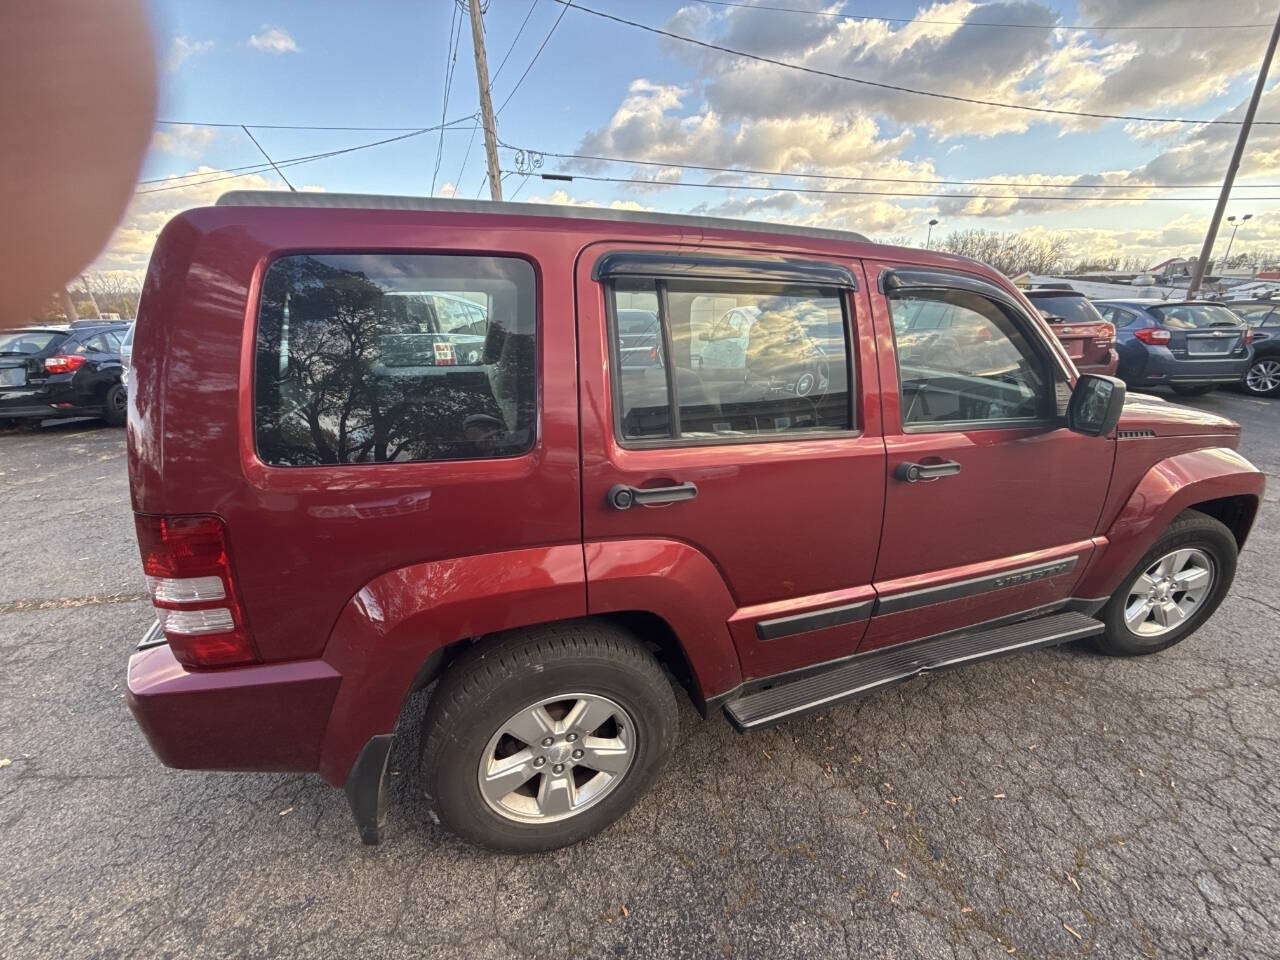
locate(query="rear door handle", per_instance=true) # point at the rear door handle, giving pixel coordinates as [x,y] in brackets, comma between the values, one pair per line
[917,472]
[623,497]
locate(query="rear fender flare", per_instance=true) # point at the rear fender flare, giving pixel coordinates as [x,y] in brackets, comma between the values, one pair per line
[1169,487]
[399,620]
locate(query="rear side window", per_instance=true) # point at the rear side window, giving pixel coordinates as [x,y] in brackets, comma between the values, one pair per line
[395,358]
[712,360]
[1116,316]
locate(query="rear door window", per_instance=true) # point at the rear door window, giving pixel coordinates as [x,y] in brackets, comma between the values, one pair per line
[395,358]
[708,360]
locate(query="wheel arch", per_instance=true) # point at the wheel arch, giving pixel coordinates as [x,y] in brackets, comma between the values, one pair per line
[1217,481]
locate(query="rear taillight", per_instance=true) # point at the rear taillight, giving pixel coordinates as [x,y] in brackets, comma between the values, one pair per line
[1107,336]
[1248,336]
[189,572]
[64,363]
[1156,336]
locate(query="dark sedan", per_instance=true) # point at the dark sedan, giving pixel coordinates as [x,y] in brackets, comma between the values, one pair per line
[60,371]
[1262,376]
[1191,346]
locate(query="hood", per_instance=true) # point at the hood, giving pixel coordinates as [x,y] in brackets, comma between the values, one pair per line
[1145,412]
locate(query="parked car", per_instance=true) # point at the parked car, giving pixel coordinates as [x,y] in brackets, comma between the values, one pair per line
[49,372]
[126,354]
[537,547]
[1192,346]
[1090,340]
[1262,376]
[638,338]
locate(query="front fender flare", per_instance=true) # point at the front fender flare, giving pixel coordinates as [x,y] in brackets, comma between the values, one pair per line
[1169,487]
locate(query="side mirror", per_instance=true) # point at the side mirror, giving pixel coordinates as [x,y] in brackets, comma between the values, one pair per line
[1096,404]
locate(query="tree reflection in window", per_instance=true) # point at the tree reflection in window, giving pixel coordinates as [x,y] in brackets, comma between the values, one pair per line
[354,363]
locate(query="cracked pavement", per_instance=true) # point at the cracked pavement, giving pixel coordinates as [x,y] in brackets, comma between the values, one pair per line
[1056,804]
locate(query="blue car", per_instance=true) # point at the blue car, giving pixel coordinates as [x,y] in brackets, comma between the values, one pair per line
[1192,346]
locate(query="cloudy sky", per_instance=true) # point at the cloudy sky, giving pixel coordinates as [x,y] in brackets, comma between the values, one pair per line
[874,159]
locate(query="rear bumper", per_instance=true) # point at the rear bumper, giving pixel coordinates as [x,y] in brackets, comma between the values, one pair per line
[52,398]
[1161,368]
[1107,368]
[264,717]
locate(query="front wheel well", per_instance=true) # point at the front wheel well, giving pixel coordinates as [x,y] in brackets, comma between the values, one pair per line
[1236,512]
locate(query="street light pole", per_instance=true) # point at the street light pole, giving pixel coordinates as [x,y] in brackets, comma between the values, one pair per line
[1206,251]
[928,240]
[1235,225]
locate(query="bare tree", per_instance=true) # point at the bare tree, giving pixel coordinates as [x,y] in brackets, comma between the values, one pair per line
[1010,253]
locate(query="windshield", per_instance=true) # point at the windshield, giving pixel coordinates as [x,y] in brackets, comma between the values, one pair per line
[26,342]
[1195,316]
[1071,308]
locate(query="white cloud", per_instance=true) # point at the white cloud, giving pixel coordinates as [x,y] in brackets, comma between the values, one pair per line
[271,39]
[182,49]
[152,207]
[449,189]
[184,140]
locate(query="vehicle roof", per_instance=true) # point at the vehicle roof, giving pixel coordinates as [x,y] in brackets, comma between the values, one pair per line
[1157,302]
[43,328]
[369,201]
[1052,292]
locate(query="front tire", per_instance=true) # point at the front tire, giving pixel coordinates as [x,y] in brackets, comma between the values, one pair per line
[1262,378]
[1173,589]
[546,736]
[1193,390]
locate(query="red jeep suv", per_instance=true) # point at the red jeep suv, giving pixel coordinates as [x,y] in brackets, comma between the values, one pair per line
[378,445]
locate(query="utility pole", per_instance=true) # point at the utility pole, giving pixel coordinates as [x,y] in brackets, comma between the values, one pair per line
[486,104]
[1207,250]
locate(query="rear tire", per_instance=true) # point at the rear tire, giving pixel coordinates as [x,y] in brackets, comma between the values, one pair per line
[116,403]
[1262,378]
[1193,542]
[576,718]
[1193,390]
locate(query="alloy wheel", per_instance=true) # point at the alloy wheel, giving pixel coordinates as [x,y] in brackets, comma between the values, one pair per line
[1263,376]
[1168,592]
[557,758]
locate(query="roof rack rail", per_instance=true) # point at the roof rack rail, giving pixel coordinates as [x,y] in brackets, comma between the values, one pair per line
[370,201]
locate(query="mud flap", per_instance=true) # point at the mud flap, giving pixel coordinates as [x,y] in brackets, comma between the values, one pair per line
[366,788]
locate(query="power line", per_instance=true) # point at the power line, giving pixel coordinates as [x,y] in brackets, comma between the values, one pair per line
[863,193]
[233,173]
[514,40]
[451,59]
[292,126]
[852,178]
[897,88]
[292,188]
[291,161]
[545,41]
[975,23]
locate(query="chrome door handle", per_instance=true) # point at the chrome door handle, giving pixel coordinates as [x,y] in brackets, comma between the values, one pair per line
[623,497]
[918,472]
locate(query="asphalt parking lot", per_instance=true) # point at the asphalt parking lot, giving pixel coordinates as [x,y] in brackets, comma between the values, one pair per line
[1056,804]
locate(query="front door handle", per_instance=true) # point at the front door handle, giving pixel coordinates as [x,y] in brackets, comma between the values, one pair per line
[623,497]
[918,472]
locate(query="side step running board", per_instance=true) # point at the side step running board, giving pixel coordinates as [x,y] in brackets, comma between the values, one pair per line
[866,673]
